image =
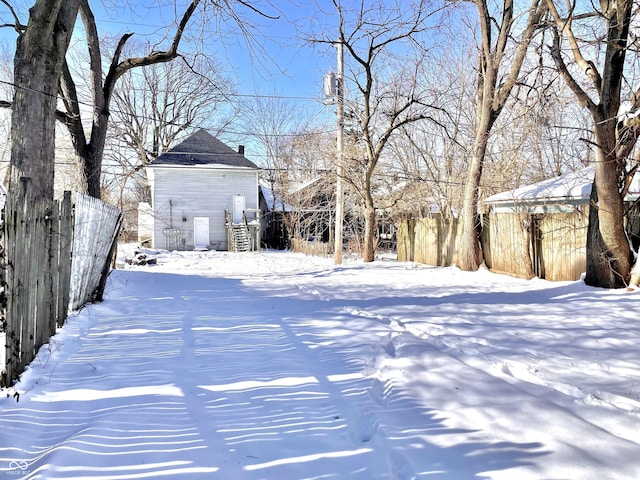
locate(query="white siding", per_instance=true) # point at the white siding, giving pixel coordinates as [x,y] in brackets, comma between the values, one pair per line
[145,223]
[181,193]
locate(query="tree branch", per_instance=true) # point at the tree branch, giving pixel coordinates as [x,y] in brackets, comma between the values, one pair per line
[95,56]
[17,26]
[565,25]
[535,14]
[583,99]
[154,57]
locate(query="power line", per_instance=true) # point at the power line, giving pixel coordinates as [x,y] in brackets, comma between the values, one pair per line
[229,132]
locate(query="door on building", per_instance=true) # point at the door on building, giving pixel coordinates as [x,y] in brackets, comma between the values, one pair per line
[201,233]
[238,208]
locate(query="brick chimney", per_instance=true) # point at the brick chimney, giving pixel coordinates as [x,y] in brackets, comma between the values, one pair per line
[241,149]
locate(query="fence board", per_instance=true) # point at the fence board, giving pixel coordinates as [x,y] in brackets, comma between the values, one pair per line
[95,228]
[563,241]
[65,244]
[509,242]
[29,283]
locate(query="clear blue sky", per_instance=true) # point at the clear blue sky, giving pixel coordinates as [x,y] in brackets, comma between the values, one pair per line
[273,60]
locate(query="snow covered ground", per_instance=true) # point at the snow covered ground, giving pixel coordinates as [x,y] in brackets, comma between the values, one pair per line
[274,365]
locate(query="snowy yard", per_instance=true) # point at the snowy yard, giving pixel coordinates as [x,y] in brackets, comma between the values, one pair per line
[214,365]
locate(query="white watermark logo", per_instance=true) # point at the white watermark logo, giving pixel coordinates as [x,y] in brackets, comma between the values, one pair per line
[18,467]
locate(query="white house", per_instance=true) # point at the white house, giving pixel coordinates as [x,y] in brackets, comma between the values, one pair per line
[204,195]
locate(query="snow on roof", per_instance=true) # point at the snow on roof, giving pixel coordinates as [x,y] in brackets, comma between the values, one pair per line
[574,185]
[298,188]
[274,202]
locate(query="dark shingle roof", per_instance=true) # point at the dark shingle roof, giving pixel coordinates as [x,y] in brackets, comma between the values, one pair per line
[202,148]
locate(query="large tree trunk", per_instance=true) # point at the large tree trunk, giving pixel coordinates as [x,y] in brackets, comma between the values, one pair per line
[609,259]
[369,250]
[468,257]
[469,253]
[38,64]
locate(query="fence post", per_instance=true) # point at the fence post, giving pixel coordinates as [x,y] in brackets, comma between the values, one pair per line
[64,253]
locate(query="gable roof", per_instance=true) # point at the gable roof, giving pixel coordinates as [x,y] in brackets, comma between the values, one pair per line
[202,148]
[570,189]
[574,185]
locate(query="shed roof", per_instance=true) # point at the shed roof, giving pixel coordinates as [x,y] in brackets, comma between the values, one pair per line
[202,148]
[571,189]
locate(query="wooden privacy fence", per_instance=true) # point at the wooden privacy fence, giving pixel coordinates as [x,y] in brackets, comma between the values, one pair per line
[310,247]
[95,234]
[35,265]
[550,245]
[431,241]
[49,260]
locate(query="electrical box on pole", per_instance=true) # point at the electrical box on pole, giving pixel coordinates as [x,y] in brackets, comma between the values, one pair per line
[330,88]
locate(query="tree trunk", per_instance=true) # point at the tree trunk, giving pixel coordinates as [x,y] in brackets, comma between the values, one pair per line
[38,64]
[468,246]
[92,163]
[608,252]
[39,57]
[369,253]
[469,253]
[369,250]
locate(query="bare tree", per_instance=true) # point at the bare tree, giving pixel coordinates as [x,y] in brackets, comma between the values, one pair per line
[384,103]
[430,156]
[499,65]
[274,122]
[156,106]
[600,85]
[89,146]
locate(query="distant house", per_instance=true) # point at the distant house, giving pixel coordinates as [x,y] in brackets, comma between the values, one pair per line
[204,195]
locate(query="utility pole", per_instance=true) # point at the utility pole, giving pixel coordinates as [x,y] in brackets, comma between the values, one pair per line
[340,159]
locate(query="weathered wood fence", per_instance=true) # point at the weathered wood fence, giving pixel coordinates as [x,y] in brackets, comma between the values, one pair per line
[65,261]
[95,235]
[550,246]
[310,247]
